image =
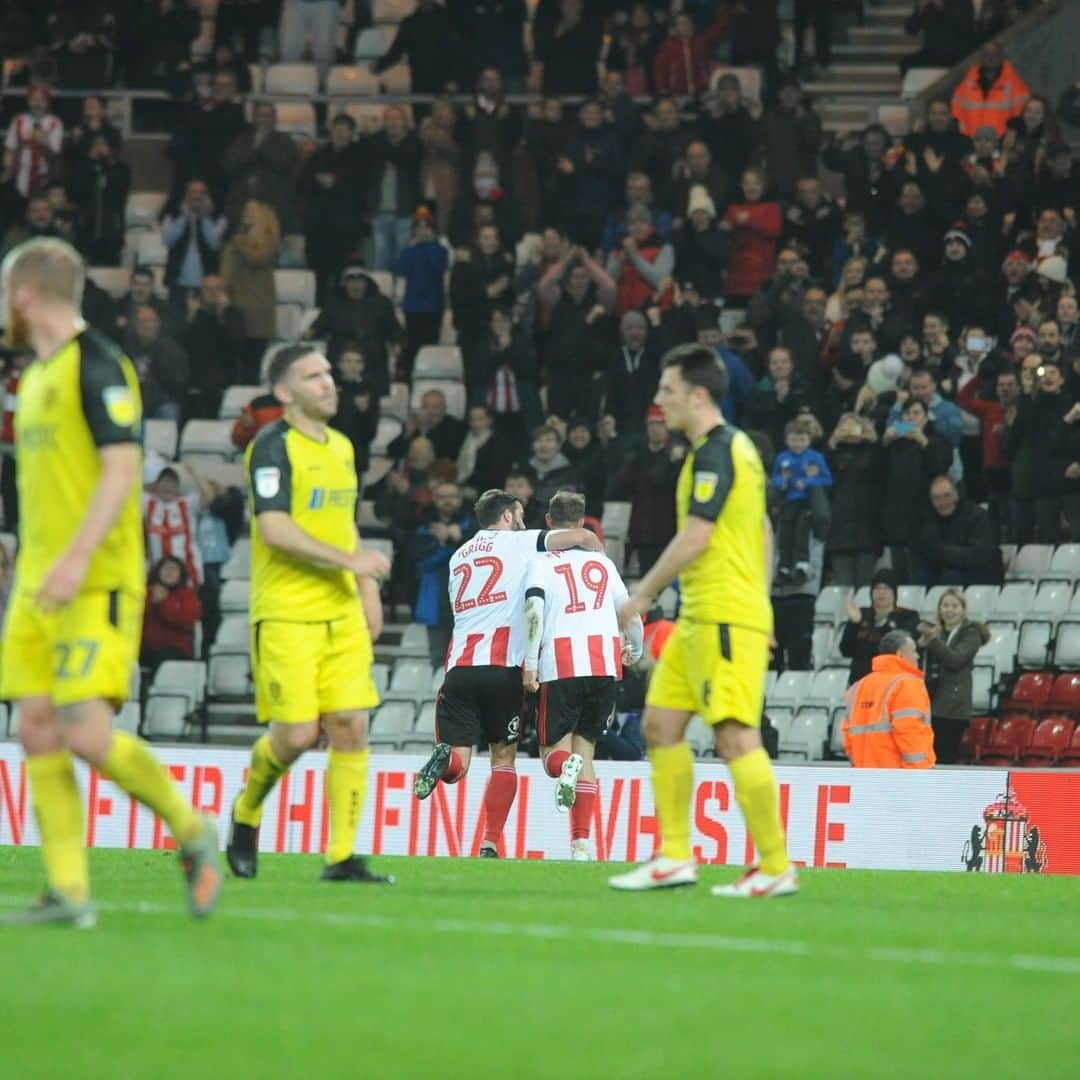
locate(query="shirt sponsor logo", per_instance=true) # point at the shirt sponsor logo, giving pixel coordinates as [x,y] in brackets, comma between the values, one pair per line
[267,482]
[120,405]
[705,485]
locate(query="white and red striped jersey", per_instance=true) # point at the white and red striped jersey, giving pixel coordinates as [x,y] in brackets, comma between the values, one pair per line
[31,162]
[582,592]
[171,529]
[487,596]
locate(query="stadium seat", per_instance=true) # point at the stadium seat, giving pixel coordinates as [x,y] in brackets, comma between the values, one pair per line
[700,737]
[225,474]
[150,249]
[982,686]
[917,79]
[387,430]
[1067,646]
[1029,694]
[827,687]
[396,80]
[113,279]
[749,79]
[1031,562]
[287,321]
[128,718]
[862,597]
[391,723]
[454,392]
[292,80]
[616,552]
[1013,602]
[616,519]
[1063,698]
[1033,645]
[365,515]
[258,78]
[380,543]
[805,739]
[438,675]
[178,689]
[790,690]
[229,667]
[380,676]
[425,719]
[161,436]
[439,362]
[409,681]
[371,44]
[384,280]
[821,647]
[142,209]
[1064,564]
[1070,757]
[1007,742]
[910,597]
[669,602]
[829,605]
[295,287]
[296,118]
[396,403]
[235,596]
[348,80]
[239,562]
[931,600]
[980,601]
[391,11]
[235,398]
[414,638]
[999,652]
[974,738]
[1050,741]
[10,543]
[207,439]
[377,468]
[836,736]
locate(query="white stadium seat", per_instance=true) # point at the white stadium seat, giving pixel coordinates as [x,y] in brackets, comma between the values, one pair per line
[391,11]
[113,279]
[292,80]
[235,398]
[439,362]
[387,430]
[287,321]
[371,44]
[980,600]
[829,605]
[391,722]
[1031,562]
[380,676]
[700,737]
[410,681]
[933,595]
[296,118]
[179,687]
[295,287]
[1064,564]
[352,81]
[150,249]
[414,638]
[827,687]
[616,519]
[142,209]
[235,596]
[1067,646]
[669,602]
[162,437]
[207,439]
[804,739]
[229,669]
[910,597]
[1013,602]
[396,80]
[239,564]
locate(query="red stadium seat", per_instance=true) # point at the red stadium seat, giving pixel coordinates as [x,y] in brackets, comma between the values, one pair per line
[1064,698]
[1050,741]
[1010,738]
[1070,758]
[975,737]
[1030,693]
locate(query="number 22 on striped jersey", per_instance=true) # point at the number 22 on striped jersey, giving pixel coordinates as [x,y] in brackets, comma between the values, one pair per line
[594,577]
[487,595]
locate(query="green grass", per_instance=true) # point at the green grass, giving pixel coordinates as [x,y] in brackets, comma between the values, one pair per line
[527,969]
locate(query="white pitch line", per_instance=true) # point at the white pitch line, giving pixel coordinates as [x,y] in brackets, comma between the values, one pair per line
[647,939]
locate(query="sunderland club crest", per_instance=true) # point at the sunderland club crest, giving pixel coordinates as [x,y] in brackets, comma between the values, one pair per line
[1007,842]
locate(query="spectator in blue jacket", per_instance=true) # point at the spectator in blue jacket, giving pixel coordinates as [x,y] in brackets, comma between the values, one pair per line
[740,382]
[423,265]
[947,418]
[802,474]
[449,524]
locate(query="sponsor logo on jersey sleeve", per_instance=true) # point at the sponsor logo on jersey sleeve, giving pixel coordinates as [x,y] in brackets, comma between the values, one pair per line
[120,405]
[267,482]
[705,486]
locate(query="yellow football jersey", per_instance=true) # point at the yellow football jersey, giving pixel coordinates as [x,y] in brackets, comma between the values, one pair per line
[315,484]
[723,481]
[83,397]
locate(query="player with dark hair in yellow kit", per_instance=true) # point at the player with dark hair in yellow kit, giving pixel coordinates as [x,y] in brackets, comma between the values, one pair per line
[715,661]
[314,608]
[71,635]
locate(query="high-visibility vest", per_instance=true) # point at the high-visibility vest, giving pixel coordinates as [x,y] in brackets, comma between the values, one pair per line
[1006,98]
[887,724]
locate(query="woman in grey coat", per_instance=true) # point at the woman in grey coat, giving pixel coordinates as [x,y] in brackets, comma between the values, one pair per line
[950,644]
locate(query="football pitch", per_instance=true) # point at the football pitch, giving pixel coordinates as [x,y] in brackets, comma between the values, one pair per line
[515,970]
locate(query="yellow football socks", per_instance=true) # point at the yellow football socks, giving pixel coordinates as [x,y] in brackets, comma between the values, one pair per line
[131,766]
[265,772]
[756,794]
[673,782]
[58,809]
[346,782]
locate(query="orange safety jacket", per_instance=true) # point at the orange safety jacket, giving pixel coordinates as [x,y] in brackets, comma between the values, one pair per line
[887,725]
[1006,98]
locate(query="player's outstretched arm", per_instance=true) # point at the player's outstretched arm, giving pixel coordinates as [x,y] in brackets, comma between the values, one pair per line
[120,474]
[564,539]
[278,530]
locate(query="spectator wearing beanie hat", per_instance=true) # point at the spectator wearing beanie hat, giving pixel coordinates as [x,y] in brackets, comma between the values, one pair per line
[957,287]
[702,251]
[1023,342]
[867,626]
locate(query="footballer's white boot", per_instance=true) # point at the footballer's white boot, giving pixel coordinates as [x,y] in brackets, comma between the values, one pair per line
[657,873]
[754,885]
[579,851]
[566,785]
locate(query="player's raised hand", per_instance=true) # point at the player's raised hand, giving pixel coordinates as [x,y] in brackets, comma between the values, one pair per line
[63,581]
[531,681]
[373,564]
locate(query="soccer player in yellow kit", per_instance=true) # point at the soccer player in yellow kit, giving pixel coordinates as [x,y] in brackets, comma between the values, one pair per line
[311,649]
[72,631]
[715,662]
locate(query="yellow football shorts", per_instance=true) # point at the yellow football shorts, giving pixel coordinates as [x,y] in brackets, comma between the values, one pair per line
[304,670]
[85,651]
[716,671]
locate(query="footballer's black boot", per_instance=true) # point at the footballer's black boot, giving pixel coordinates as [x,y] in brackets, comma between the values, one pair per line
[354,868]
[242,851]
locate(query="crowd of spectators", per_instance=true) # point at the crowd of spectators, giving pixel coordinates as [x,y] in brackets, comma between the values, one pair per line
[896,312]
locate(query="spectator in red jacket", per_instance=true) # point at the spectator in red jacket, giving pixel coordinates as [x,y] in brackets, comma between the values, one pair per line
[755,225]
[643,264]
[683,63]
[256,414]
[172,610]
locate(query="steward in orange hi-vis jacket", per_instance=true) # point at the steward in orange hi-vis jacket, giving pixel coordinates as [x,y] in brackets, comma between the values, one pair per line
[887,725]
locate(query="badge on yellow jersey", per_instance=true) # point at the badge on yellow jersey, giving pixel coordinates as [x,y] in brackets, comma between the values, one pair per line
[120,405]
[705,486]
